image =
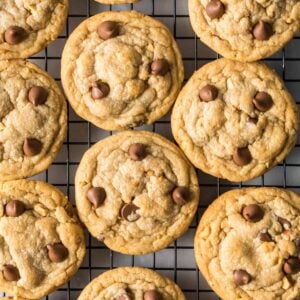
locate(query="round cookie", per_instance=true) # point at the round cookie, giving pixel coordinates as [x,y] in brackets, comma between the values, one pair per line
[245,30]
[121,70]
[28,26]
[42,242]
[131,283]
[247,244]
[33,119]
[117,1]
[235,120]
[136,192]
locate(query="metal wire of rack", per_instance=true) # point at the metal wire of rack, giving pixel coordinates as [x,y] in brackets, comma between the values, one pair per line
[176,261]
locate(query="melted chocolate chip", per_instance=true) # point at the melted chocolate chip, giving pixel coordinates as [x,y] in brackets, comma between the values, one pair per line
[262,31]
[265,237]
[152,295]
[96,195]
[215,9]
[160,67]
[15,35]
[128,212]
[253,213]
[37,95]
[241,277]
[57,252]
[291,266]
[284,223]
[242,156]
[181,195]
[137,151]
[208,93]
[10,273]
[100,90]
[32,147]
[263,101]
[108,29]
[14,208]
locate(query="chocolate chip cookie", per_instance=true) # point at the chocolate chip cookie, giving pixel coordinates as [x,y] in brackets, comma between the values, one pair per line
[247,244]
[33,119]
[28,26]
[136,192]
[245,30]
[131,283]
[235,120]
[42,243]
[121,70]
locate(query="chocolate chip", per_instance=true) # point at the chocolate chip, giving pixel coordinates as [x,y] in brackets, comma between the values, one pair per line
[263,101]
[181,195]
[208,93]
[32,147]
[15,35]
[57,252]
[297,242]
[128,212]
[137,151]
[100,90]
[265,237]
[10,273]
[101,237]
[284,223]
[241,277]
[253,213]
[291,265]
[242,156]
[253,120]
[215,9]
[37,95]
[152,295]
[108,29]
[160,67]
[262,31]
[14,208]
[96,195]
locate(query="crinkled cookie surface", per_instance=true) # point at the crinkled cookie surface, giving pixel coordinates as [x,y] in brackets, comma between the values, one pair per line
[247,244]
[121,70]
[131,283]
[244,124]
[41,242]
[245,30]
[136,192]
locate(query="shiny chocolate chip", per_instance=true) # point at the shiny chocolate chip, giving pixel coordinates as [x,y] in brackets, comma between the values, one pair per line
[10,273]
[37,95]
[96,195]
[14,208]
[15,35]
[57,252]
[265,237]
[160,67]
[215,9]
[262,31]
[152,295]
[100,90]
[241,277]
[128,212]
[108,29]
[284,223]
[32,147]
[181,195]
[208,93]
[263,101]
[291,266]
[137,151]
[253,213]
[242,156]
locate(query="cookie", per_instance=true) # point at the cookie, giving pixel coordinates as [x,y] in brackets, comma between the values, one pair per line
[116,1]
[245,30]
[131,283]
[247,244]
[235,120]
[136,192]
[33,119]
[42,243]
[121,70]
[27,27]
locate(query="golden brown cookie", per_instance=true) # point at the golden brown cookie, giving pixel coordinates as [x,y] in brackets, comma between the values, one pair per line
[33,119]
[247,244]
[235,120]
[42,243]
[121,70]
[28,26]
[136,192]
[245,30]
[131,283]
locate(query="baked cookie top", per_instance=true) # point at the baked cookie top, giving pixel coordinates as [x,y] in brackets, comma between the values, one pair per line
[245,30]
[136,192]
[33,119]
[121,70]
[28,26]
[42,244]
[247,244]
[128,283]
[235,120]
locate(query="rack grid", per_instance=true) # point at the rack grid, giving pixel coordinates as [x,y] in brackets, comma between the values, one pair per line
[177,260]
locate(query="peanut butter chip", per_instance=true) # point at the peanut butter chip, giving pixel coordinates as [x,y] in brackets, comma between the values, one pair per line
[292,266]
[152,295]
[57,252]
[15,35]
[137,151]
[253,213]
[100,90]
[160,67]
[10,273]
[263,101]
[37,95]
[215,9]
[14,208]
[108,29]
[208,93]
[181,195]
[242,156]
[32,147]
[128,212]
[96,195]
[262,31]
[241,277]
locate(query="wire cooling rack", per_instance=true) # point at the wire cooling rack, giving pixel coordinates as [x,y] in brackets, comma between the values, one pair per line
[177,261]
